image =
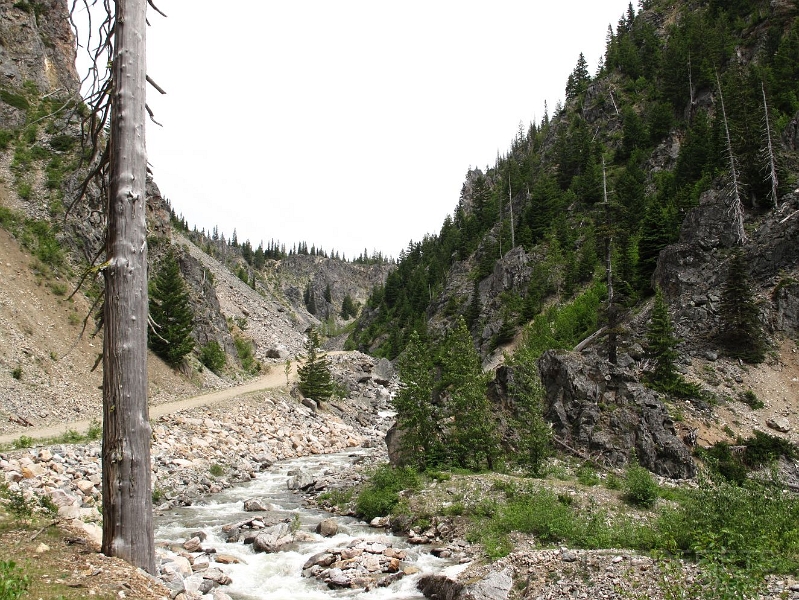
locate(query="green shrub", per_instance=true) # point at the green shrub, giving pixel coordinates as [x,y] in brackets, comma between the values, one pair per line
[16,373]
[750,398]
[216,470]
[553,519]
[62,142]
[95,431]
[5,138]
[736,533]
[212,356]
[25,190]
[586,474]
[721,462]
[13,583]
[244,350]
[15,100]
[382,493]
[640,488]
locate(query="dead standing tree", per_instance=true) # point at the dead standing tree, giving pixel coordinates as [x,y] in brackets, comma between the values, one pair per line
[127,487]
[119,103]
[735,204]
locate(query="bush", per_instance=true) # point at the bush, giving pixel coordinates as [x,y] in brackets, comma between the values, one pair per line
[382,493]
[13,583]
[586,475]
[5,138]
[640,487]
[212,356]
[15,100]
[244,350]
[750,399]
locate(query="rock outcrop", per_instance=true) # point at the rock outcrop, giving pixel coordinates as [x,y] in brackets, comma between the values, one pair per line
[605,410]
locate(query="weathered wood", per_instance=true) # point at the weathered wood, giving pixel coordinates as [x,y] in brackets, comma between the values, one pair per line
[127,490]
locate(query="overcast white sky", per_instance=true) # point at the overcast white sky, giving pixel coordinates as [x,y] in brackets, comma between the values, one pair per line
[350,124]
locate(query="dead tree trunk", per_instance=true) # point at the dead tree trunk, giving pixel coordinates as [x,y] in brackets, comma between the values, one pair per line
[510,208]
[612,315]
[772,163]
[127,489]
[736,205]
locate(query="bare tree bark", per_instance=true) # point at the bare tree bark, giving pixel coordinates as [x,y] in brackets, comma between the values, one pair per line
[510,207]
[736,205]
[127,488]
[611,306]
[772,163]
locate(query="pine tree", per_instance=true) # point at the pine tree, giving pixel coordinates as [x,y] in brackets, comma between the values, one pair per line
[416,415]
[316,380]
[534,433]
[661,343]
[171,312]
[740,332]
[348,308]
[471,439]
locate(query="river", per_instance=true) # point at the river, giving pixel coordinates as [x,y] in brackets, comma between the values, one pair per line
[278,576]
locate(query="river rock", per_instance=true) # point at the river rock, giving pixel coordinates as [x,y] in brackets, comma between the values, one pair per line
[361,564]
[193,544]
[217,576]
[273,538]
[256,504]
[300,480]
[327,528]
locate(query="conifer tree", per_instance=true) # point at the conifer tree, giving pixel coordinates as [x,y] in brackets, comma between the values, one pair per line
[471,439]
[348,308]
[740,332]
[416,416]
[661,343]
[534,433]
[171,312]
[316,380]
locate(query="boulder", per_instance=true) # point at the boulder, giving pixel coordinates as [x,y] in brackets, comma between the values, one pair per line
[273,538]
[300,480]
[327,528]
[383,372]
[256,505]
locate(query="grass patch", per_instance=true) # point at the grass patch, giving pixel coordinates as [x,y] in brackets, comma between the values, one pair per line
[552,520]
[13,99]
[36,236]
[51,575]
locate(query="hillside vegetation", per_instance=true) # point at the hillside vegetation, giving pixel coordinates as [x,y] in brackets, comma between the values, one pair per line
[606,181]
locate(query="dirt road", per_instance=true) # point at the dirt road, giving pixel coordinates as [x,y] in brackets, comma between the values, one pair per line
[276,378]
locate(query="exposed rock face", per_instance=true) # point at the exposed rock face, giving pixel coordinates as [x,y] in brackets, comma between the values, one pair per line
[209,323]
[36,48]
[602,408]
[317,278]
[692,272]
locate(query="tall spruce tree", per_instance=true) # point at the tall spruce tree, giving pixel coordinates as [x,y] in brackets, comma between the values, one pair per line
[471,438]
[661,343]
[171,312]
[316,380]
[416,415]
[740,332]
[525,389]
